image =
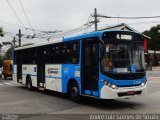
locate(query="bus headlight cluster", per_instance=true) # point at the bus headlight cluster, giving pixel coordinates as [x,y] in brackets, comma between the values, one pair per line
[109,84]
[143,84]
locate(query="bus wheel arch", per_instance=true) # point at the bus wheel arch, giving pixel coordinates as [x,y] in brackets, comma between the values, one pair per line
[29,82]
[73,90]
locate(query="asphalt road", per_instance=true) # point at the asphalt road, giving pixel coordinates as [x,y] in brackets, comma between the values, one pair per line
[15,99]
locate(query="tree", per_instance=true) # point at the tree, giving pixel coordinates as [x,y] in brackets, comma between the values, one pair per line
[1,47]
[6,56]
[9,53]
[1,32]
[154,43]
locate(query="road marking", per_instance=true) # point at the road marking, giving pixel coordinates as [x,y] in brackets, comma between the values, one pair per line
[10,83]
[7,83]
[153,78]
[13,82]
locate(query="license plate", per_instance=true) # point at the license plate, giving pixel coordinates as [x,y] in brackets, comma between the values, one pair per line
[122,70]
[130,93]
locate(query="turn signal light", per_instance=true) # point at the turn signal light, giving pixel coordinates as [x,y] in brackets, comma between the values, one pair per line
[109,84]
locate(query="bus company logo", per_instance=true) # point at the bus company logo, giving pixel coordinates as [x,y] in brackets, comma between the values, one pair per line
[52,70]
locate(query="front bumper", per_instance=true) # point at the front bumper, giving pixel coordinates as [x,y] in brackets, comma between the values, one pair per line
[122,92]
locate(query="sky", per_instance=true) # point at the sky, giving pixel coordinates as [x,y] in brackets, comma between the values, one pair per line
[64,15]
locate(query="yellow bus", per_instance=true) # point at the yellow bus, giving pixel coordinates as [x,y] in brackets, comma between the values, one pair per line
[7,68]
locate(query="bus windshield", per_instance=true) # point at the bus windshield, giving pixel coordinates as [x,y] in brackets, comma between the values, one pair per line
[122,58]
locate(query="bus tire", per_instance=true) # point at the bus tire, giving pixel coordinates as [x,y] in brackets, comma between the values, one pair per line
[29,83]
[74,92]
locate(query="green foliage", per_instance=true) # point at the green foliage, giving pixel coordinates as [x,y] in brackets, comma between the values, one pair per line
[1,32]
[1,62]
[155,59]
[154,43]
[1,47]
[9,53]
[6,56]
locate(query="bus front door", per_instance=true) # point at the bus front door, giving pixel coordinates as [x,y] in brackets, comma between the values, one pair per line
[90,66]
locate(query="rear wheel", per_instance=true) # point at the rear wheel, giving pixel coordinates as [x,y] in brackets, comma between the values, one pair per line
[74,92]
[29,83]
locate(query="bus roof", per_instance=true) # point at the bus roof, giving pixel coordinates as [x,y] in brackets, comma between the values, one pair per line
[82,36]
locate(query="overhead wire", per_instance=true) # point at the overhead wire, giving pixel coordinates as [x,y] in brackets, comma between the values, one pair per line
[71,32]
[17,16]
[136,23]
[146,17]
[48,34]
[76,30]
[26,15]
[11,24]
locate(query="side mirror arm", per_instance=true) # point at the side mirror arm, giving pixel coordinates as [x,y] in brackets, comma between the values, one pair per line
[101,41]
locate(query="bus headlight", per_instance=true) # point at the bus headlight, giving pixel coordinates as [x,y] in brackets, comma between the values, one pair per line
[113,86]
[142,85]
[109,84]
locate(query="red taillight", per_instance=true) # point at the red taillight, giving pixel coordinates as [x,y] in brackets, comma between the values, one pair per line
[145,44]
[110,64]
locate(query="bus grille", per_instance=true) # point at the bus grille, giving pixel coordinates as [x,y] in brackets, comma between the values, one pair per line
[130,93]
[131,76]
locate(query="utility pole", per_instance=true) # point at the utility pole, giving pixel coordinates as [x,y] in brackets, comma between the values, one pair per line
[19,35]
[14,41]
[95,18]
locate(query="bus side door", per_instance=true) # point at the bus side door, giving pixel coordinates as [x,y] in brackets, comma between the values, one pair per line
[90,67]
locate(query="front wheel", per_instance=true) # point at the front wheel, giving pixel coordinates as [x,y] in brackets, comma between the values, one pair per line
[74,92]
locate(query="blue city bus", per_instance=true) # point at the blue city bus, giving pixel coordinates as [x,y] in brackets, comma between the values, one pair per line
[107,64]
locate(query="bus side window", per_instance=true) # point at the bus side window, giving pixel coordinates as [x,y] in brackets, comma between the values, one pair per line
[75,53]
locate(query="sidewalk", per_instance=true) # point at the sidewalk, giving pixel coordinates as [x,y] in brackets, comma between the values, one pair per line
[154,74]
[156,68]
[153,78]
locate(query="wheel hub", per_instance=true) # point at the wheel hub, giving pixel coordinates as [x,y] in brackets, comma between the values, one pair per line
[74,91]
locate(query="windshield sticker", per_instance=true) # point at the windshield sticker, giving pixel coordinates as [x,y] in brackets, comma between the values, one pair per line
[133,68]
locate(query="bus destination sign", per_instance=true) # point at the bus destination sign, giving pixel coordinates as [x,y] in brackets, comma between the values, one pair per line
[123,37]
